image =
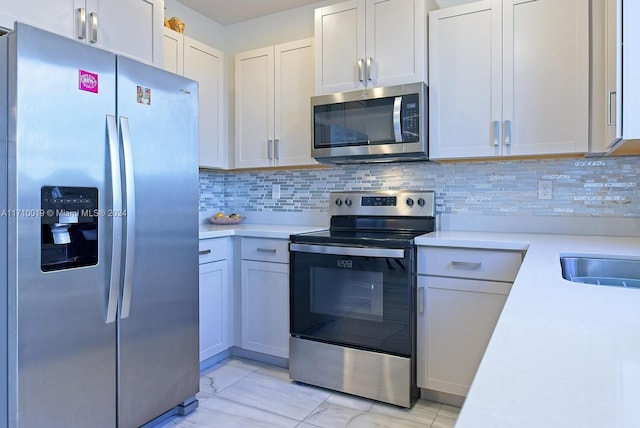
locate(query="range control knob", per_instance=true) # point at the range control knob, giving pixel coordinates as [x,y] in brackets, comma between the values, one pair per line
[410,202]
[338,201]
[347,202]
[421,202]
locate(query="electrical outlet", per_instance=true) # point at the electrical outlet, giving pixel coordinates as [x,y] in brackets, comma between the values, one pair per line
[545,189]
[275,191]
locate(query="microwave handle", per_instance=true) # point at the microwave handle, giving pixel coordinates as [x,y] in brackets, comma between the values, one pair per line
[397,119]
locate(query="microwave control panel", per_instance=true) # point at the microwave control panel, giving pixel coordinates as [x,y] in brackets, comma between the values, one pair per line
[410,118]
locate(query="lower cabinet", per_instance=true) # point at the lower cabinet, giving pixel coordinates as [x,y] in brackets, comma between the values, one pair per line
[265,296]
[216,296]
[461,293]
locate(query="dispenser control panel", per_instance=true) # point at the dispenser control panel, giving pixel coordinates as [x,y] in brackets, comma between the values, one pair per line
[69,227]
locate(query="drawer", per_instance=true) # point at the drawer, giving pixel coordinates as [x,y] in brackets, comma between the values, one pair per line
[469,263]
[212,250]
[265,249]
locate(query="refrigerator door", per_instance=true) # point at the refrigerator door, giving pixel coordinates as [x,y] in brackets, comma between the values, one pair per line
[61,348]
[158,324]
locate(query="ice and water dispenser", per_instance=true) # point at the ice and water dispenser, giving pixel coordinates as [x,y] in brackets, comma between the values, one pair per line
[69,227]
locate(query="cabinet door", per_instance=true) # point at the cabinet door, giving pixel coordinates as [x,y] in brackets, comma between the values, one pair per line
[131,27]
[56,16]
[265,307]
[465,81]
[293,88]
[340,44]
[610,58]
[456,318]
[214,308]
[173,51]
[206,65]
[254,120]
[546,76]
[395,42]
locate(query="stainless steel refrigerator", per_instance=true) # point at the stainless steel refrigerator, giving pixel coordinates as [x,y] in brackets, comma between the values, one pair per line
[98,236]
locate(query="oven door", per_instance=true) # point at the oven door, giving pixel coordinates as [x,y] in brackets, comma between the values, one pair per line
[360,297]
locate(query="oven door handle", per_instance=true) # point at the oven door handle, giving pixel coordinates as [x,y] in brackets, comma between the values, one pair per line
[348,251]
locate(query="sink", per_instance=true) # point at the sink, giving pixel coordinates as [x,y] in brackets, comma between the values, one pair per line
[617,271]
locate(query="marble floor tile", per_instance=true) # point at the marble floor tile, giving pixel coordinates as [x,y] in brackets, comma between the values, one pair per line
[244,393]
[423,411]
[224,374]
[217,412]
[276,395]
[350,401]
[446,417]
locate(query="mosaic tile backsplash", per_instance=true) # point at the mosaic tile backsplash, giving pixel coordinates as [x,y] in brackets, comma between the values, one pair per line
[605,187]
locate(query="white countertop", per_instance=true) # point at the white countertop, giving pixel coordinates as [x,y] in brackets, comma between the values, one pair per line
[562,354]
[279,231]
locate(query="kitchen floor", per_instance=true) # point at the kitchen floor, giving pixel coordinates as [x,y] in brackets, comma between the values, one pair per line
[244,393]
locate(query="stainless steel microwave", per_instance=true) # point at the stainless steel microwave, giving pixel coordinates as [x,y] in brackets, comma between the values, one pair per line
[371,125]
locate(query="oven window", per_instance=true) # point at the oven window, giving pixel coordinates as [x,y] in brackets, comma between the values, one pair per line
[345,293]
[358,301]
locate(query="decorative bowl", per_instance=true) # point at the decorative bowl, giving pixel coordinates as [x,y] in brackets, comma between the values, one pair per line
[226,220]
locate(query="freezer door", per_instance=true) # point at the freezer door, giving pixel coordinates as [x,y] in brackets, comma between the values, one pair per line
[61,348]
[158,324]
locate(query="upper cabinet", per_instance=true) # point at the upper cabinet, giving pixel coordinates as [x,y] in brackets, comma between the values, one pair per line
[621,76]
[204,64]
[370,43]
[273,115]
[509,77]
[130,27]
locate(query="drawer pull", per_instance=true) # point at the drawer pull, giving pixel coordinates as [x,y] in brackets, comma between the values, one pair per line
[267,250]
[466,265]
[203,252]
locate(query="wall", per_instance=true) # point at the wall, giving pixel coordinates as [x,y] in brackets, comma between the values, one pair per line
[197,26]
[602,187]
[277,28]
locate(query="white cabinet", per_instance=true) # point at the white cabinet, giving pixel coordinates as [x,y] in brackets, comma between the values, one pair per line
[216,297]
[369,43]
[204,64]
[509,77]
[265,296]
[622,68]
[272,110]
[461,293]
[130,27]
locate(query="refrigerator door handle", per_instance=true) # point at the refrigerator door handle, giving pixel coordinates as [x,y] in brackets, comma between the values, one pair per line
[129,254]
[116,221]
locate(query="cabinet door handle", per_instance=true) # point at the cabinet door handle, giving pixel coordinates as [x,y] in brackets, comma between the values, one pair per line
[466,265]
[93,21]
[369,65]
[270,149]
[267,250]
[507,132]
[81,23]
[276,149]
[496,133]
[204,252]
[421,300]
[611,103]
[360,70]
